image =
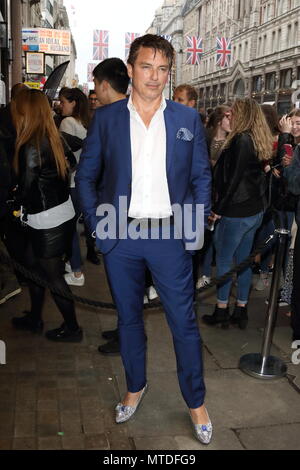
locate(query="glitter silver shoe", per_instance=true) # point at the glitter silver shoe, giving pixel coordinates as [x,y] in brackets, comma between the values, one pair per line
[125,412]
[203,432]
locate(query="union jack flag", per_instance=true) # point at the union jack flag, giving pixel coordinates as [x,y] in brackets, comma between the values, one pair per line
[194,50]
[90,68]
[100,44]
[223,52]
[168,37]
[129,38]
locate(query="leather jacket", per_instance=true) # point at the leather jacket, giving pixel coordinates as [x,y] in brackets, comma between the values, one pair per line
[5,172]
[40,187]
[238,177]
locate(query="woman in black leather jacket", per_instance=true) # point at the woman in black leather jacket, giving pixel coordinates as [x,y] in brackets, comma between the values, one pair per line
[239,187]
[46,208]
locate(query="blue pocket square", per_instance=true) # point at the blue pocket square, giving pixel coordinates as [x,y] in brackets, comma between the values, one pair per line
[184,134]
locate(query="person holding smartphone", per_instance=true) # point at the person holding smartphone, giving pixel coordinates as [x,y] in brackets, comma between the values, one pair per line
[284,200]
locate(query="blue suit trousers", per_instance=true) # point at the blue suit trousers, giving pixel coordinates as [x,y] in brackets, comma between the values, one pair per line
[171,268]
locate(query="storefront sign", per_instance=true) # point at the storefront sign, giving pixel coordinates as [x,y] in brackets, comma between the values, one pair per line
[36,85]
[30,39]
[35,62]
[49,41]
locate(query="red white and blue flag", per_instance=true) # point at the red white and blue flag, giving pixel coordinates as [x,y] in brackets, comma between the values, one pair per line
[90,68]
[194,50]
[129,38]
[223,52]
[100,44]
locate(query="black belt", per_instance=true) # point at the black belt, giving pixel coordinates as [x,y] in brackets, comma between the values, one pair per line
[153,222]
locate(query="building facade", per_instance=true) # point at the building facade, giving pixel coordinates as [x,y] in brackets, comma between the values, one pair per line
[5,50]
[265,62]
[18,14]
[169,21]
[54,15]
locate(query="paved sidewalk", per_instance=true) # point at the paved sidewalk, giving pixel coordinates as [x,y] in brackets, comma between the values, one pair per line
[62,396]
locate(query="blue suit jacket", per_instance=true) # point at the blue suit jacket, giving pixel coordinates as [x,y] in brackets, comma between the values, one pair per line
[107,154]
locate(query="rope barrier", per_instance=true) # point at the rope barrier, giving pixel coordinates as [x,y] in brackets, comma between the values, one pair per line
[34,277]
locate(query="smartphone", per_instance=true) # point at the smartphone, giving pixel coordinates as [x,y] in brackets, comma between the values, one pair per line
[288,149]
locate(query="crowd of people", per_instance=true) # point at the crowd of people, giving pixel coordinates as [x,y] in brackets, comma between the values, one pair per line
[241,162]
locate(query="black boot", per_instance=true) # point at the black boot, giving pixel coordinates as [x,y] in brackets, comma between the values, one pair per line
[64,334]
[92,256]
[28,323]
[111,348]
[240,317]
[220,315]
[111,334]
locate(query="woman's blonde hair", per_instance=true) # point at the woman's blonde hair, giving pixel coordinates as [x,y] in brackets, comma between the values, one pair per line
[248,117]
[33,121]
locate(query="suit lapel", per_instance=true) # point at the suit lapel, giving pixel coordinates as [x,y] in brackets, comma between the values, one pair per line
[170,135]
[124,135]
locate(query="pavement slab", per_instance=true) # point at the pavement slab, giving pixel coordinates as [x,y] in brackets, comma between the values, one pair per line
[62,396]
[223,439]
[277,437]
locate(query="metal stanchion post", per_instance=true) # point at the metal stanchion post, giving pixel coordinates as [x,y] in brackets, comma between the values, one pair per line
[264,366]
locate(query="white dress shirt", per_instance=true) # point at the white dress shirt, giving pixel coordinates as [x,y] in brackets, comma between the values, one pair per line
[149,190]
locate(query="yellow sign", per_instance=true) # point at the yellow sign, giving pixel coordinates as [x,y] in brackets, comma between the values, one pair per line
[33,84]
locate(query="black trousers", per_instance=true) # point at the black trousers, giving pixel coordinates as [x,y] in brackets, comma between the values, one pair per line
[295,319]
[43,255]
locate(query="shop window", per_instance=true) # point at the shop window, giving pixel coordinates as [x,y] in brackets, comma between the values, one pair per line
[257,83]
[271,81]
[286,78]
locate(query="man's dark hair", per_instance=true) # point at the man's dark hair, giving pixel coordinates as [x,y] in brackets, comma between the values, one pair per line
[152,41]
[92,92]
[114,71]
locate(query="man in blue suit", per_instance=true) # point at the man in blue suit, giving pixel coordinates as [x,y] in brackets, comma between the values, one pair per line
[153,159]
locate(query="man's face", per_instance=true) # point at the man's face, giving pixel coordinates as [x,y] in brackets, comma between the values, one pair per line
[182,98]
[100,92]
[149,73]
[93,101]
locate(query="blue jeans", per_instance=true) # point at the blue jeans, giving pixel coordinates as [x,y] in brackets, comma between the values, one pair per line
[233,242]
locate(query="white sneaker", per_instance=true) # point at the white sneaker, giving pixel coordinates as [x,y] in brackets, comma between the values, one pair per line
[68,268]
[203,281]
[74,281]
[146,301]
[151,293]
